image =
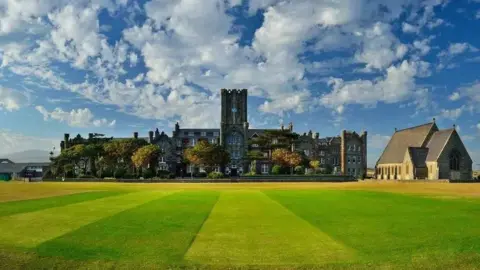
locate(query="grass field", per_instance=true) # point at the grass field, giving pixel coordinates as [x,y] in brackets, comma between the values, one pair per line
[239,226]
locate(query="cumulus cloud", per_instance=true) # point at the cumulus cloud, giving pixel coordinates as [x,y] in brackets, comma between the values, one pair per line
[12,100]
[397,85]
[452,114]
[191,49]
[75,118]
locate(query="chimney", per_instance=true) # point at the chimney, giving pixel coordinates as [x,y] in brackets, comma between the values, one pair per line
[150,136]
[290,126]
[317,135]
[135,135]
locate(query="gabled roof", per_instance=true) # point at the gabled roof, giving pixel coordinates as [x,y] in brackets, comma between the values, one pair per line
[438,142]
[259,132]
[418,156]
[402,139]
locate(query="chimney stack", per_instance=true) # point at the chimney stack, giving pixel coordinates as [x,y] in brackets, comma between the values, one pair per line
[135,135]
[317,135]
[66,137]
[290,126]
[150,136]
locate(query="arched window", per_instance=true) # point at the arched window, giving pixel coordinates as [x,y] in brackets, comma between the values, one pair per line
[454,159]
[234,139]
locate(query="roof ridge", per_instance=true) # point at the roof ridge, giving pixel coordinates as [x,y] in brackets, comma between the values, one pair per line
[430,123]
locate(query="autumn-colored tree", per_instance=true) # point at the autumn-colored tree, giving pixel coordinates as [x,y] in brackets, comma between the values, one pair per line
[118,153]
[280,157]
[146,155]
[286,158]
[314,164]
[207,155]
[293,160]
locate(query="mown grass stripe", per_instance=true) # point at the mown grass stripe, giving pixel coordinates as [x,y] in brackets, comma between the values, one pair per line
[386,227]
[16,207]
[158,232]
[33,228]
[248,228]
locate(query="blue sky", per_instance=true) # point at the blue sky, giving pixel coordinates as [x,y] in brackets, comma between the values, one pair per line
[119,66]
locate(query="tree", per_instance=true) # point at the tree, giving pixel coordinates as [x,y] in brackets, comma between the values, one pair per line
[207,155]
[146,155]
[118,153]
[271,140]
[280,157]
[285,158]
[315,165]
[293,160]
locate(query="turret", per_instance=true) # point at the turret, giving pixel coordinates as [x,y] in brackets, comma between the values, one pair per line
[150,136]
[66,138]
[90,136]
[317,135]
[310,134]
[157,133]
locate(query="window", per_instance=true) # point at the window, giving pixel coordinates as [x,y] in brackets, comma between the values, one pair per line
[454,160]
[161,159]
[348,160]
[185,133]
[307,152]
[359,160]
[322,153]
[265,154]
[215,133]
[354,159]
[408,169]
[255,145]
[353,171]
[179,143]
[214,141]
[189,168]
[322,161]
[275,141]
[190,134]
[193,142]
[204,133]
[265,168]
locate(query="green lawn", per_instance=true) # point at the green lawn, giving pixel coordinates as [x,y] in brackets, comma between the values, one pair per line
[151,226]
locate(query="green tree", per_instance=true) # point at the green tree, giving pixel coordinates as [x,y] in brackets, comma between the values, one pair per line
[207,155]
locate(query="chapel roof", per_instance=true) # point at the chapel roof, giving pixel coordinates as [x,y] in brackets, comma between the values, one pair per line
[402,139]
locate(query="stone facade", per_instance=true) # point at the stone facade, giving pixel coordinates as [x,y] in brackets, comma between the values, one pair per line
[346,153]
[425,152]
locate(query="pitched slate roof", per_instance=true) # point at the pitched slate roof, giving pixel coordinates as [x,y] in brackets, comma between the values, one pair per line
[437,143]
[259,132]
[419,156]
[402,139]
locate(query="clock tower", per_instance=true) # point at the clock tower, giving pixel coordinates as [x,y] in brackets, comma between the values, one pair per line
[234,128]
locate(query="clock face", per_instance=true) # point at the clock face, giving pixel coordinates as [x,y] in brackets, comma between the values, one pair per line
[234,109]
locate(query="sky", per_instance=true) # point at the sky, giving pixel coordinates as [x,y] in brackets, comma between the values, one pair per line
[119,66]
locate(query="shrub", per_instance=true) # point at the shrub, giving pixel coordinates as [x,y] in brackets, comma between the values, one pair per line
[250,174]
[171,176]
[299,170]
[85,176]
[200,174]
[109,178]
[215,175]
[129,176]
[163,173]
[277,169]
[120,172]
[148,173]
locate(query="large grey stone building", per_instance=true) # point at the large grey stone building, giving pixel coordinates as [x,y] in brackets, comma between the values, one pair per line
[345,154]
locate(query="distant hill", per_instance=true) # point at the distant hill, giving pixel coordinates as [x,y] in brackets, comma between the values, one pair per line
[29,156]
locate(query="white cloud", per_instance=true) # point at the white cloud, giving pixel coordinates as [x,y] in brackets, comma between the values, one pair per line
[408,28]
[11,142]
[458,48]
[74,118]
[397,85]
[454,96]
[12,100]
[380,47]
[471,92]
[452,114]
